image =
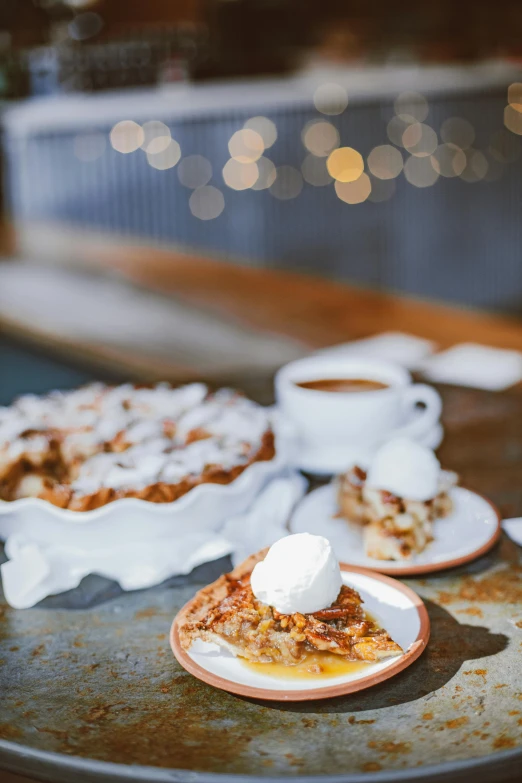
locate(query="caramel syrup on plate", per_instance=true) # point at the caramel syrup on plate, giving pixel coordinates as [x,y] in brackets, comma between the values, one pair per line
[315,666]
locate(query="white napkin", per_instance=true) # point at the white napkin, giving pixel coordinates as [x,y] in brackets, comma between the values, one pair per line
[266,521]
[513,528]
[471,364]
[35,570]
[398,347]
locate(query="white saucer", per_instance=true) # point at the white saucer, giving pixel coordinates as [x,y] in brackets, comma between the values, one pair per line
[326,462]
[468,532]
[398,609]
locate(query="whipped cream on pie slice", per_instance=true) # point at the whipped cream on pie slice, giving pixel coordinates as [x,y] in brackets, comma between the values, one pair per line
[300,573]
[229,614]
[397,500]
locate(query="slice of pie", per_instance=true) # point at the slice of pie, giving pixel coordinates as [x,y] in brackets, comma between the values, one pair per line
[228,614]
[394,528]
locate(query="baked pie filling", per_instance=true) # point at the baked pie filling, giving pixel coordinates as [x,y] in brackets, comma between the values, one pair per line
[393,528]
[86,448]
[228,614]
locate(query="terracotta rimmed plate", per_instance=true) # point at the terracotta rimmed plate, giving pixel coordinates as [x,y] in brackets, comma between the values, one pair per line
[468,532]
[395,606]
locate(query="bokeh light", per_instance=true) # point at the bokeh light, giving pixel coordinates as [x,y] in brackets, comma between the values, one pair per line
[396,127]
[382,189]
[412,105]
[126,136]
[246,146]
[513,120]
[354,192]
[420,172]
[89,146]
[166,158]
[314,171]
[515,96]
[206,202]
[345,164]
[240,176]
[320,137]
[476,166]
[266,174]
[85,25]
[385,162]
[448,160]
[504,147]
[495,168]
[156,136]
[194,171]
[457,130]
[330,98]
[420,140]
[264,127]
[288,183]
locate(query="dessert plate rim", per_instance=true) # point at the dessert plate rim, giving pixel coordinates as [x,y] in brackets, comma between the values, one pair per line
[418,569]
[322,691]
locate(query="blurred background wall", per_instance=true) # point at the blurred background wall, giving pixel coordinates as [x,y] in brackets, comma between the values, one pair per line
[377,143]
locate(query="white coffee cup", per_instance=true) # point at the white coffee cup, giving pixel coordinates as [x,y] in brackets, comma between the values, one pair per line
[335,428]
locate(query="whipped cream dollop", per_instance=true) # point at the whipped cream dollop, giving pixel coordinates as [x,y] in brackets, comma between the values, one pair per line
[406,469]
[300,573]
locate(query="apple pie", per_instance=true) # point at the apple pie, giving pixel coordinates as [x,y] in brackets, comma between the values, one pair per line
[88,447]
[228,614]
[393,528]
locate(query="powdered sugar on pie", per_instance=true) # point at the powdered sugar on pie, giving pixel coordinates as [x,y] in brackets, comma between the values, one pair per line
[85,448]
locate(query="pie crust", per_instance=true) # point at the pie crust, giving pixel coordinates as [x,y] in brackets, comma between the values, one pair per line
[228,614]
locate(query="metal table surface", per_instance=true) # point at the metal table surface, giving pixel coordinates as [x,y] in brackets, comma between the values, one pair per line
[90,690]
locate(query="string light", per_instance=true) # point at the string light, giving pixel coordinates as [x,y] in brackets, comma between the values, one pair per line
[320,137]
[246,146]
[412,105]
[354,192]
[513,120]
[385,162]
[457,130]
[504,147]
[287,184]
[345,164]
[266,174]
[419,172]
[330,98]
[264,127]
[420,140]
[515,96]
[476,166]
[396,127]
[206,202]
[166,158]
[314,171]
[382,189]
[495,168]
[240,176]
[126,136]
[448,160]
[156,136]
[194,171]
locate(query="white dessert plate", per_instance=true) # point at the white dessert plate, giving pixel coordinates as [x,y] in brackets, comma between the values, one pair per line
[396,607]
[468,532]
[326,462]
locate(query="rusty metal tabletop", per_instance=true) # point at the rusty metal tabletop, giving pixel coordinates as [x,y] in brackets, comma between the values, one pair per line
[90,690]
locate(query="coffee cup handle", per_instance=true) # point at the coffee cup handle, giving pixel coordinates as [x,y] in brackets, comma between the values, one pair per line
[428,418]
